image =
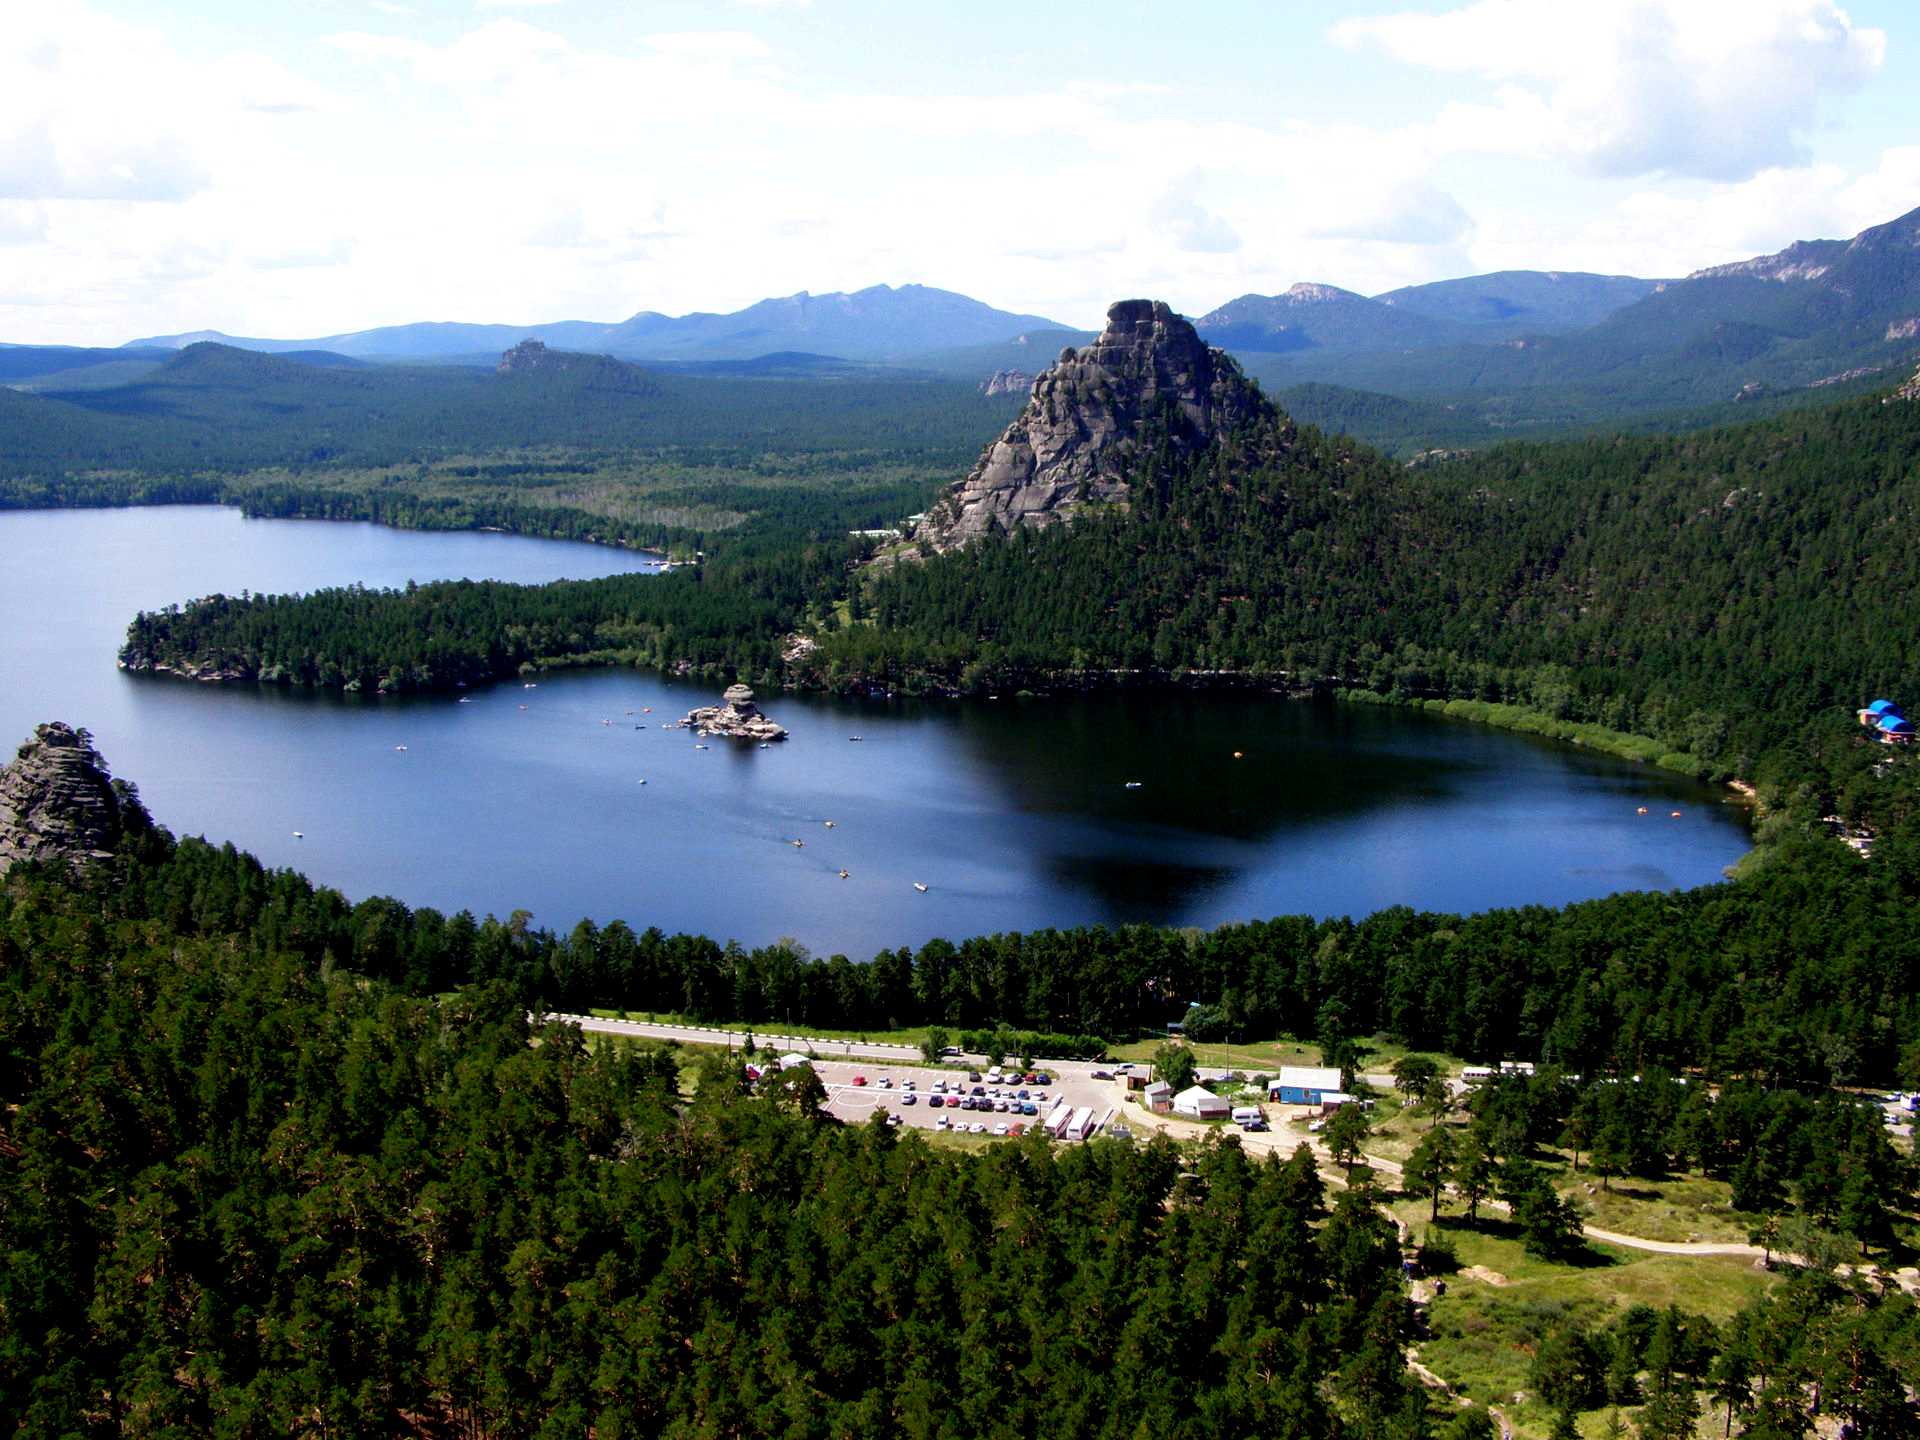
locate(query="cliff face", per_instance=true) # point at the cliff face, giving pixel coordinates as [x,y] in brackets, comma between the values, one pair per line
[57,801]
[1092,415]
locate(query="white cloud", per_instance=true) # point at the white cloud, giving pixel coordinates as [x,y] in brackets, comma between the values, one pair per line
[1192,226]
[1716,89]
[21,224]
[513,4]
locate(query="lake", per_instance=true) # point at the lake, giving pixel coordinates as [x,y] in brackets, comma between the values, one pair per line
[1014,813]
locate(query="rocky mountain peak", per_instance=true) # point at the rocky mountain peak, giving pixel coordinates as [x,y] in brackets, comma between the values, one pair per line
[527,355]
[1307,292]
[1148,376]
[58,803]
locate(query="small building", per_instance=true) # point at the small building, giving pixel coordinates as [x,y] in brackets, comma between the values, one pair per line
[1887,723]
[1303,1084]
[1201,1103]
[1159,1097]
[1333,1100]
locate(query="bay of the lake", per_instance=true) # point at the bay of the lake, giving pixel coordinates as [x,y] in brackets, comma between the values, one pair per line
[1015,813]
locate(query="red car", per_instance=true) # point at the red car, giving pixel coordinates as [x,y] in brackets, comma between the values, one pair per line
[859,1079]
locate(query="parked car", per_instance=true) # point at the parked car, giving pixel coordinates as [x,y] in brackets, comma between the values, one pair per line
[973,1074]
[893,1119]
[1103,1075]
[1029,1108]
[1000,1127]
[1017,1128]
[859,1079]
[884,1082]
[979,1127]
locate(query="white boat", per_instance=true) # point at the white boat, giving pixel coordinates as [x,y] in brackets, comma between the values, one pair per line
[399,747]
[699,747]
[639,782]
[1133,784]
[918,886]
[299,835]
[854,737]
[829,824]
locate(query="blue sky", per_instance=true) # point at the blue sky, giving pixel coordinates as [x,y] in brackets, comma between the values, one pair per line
[301,170]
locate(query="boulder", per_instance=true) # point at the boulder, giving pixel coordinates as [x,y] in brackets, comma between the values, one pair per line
[737,717]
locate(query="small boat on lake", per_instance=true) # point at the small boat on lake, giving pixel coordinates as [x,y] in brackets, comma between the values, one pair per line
[1133,784]
[299,835]
[855,738]
[828,824]
[843,875]
[918,886]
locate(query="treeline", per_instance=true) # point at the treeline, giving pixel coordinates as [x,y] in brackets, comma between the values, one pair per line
[217,409]
[1804,973]
[243,1195]
[1732,595]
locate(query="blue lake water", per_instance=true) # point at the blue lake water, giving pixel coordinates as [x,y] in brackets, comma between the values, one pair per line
[1014,813]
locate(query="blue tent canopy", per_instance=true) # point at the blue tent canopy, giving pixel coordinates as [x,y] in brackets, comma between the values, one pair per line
[1895,725]
[1883,707]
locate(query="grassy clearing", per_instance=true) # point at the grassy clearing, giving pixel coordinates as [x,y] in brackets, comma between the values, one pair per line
[1485,1330]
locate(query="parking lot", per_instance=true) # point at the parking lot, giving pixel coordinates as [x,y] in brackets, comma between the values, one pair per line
[886,1086]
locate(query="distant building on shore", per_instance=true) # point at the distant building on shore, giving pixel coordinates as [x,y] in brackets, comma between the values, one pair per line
[1888,725]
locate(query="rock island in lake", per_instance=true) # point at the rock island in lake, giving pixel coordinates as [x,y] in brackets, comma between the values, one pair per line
[737,718]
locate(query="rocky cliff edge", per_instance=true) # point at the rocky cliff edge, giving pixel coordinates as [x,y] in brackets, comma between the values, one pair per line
[58,802]
[1149,376]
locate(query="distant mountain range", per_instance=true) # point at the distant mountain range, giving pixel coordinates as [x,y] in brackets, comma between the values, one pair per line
[1516,351]
[882,323]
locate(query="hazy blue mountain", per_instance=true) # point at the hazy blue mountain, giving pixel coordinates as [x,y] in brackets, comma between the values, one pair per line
[1324,319]
[1820,315]
[880,323]
[1030,350]
[27,364]
[1522,302]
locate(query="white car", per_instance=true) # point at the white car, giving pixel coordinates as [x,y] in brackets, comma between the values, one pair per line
[943,1124]
[1000,1128]
[978,1127]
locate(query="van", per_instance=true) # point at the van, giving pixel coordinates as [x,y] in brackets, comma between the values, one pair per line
[1243,1113]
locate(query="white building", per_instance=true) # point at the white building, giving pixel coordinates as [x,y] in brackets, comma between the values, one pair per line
[1201,1103]
[1159,1097]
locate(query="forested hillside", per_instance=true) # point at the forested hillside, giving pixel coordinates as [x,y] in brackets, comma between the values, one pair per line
[1733,595]
[247,1195]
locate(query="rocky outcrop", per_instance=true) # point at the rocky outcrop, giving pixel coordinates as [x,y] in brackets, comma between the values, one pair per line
[58,803]
[1007,382]
[736,718]
[1148,380]
[1908,391]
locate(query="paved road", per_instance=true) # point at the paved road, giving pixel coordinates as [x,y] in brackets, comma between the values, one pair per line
[710,1035]
[805,1045]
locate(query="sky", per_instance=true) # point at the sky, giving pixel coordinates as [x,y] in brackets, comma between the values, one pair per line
[323,166]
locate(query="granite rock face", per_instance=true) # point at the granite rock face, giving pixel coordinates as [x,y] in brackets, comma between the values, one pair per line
[1007,382]
[1091,416]
[58,803]
[736,718]
[1910,390]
